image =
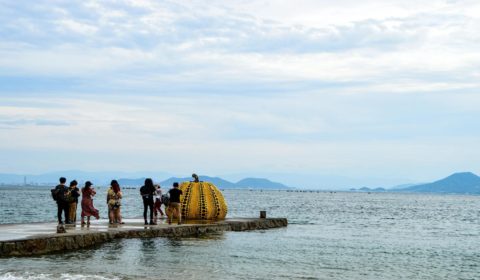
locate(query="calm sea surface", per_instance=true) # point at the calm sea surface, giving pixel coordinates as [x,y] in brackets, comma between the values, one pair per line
[329,236]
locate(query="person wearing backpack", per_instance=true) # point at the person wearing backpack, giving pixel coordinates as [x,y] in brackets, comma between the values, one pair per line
[147,192]
[61,191]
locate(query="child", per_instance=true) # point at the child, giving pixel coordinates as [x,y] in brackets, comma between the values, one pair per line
[158,201]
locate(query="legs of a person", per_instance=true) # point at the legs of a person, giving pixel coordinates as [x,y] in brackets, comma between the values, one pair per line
[160,210]
[169,212]
[174,209]
[111,215]
[155,207]
[75,205]
[72,211]
[150,205]
[59,212]
[117,215]
[145,206]
[66,212]
[179,213]
[88,220]
[155,211]
[82,216]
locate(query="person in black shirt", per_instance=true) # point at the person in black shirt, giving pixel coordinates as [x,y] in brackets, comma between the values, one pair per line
[147,192]
[175,206]
[73,201]
[62,203]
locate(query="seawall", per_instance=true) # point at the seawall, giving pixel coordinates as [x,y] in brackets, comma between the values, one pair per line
[37,239]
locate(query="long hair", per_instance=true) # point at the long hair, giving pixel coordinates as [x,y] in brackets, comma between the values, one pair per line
[149,183]
[87,190]
[115,186]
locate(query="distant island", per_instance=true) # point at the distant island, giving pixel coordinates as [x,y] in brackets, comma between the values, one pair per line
[461,183]
[134,179]
[457,183]
[366,189]
[247,183]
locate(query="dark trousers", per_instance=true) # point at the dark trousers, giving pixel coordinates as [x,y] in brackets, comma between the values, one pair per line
[62,207]
[148,203]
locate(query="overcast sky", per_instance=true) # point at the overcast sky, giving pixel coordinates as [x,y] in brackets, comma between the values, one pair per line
[386,89]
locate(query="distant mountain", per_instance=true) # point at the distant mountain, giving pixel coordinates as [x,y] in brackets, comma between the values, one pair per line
[365,189]
[219,182]
[260,183]
[254,183]
[98,177]
[403,186]
[465,182]
[133,179]
[319,180]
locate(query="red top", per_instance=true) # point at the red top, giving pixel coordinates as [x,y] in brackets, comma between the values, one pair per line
[88,192]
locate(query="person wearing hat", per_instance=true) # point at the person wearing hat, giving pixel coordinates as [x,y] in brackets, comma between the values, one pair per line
[87,203]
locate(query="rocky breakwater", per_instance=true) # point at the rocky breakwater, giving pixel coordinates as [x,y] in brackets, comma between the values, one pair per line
[75,239]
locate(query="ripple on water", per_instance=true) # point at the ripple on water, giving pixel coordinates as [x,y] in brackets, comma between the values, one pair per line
[329,236]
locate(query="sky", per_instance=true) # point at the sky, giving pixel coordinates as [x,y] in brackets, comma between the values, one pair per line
[379,92]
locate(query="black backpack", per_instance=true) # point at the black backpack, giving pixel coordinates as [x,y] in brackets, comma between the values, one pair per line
[55,193]
[165,199]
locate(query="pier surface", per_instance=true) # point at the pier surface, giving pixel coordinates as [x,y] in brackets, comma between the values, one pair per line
[41,238]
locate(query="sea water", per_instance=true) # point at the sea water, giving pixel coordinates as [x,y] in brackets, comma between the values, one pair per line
[331,235]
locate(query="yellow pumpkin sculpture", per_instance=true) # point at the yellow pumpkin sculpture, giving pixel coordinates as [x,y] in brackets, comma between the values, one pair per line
[202,201]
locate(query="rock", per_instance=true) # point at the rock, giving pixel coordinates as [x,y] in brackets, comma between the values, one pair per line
[61,229]
[8,248]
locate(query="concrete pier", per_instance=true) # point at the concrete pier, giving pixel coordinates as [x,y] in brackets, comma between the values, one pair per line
[41,238]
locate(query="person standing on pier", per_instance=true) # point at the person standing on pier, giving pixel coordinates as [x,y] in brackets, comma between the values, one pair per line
[87,203]
[73,201]
[62,203]
[147,192]
[174,207]
[114,198]
[158,201]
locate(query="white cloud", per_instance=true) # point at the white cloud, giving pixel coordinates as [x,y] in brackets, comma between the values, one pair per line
[271,85]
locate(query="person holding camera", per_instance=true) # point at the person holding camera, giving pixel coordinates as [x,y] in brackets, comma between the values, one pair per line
[87,203]
[114,197]
[73,201]
[174,207]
